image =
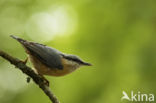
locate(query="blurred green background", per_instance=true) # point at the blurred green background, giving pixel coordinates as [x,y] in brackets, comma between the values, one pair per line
[117,37]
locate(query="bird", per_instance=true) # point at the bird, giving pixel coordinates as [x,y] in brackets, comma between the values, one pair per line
[50,61]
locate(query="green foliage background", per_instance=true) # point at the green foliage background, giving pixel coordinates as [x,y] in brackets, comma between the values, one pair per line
[117,37]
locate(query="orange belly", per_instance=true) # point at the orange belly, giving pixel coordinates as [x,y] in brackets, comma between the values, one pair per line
[44,70]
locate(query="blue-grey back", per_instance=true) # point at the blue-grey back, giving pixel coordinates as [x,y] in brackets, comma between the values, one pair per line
[47,55]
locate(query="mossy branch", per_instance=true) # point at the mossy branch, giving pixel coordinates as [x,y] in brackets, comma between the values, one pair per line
[39,80]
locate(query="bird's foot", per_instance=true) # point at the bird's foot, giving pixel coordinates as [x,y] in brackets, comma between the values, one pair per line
[46,82]
[25,61]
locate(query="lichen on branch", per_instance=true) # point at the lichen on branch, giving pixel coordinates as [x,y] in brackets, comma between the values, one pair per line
[39,80]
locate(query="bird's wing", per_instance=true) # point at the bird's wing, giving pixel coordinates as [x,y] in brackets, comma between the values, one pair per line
[48,56]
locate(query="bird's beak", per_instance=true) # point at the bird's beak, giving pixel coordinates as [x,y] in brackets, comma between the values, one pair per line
[87,64]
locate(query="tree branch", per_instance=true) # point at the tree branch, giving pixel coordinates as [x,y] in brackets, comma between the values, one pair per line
[28,71]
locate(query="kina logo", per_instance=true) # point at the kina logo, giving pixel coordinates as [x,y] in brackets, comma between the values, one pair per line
[140,97]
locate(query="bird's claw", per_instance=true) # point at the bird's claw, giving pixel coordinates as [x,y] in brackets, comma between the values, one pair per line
[25,61]
[45,81]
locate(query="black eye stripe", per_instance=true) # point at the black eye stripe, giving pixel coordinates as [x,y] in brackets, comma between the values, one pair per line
[73,59]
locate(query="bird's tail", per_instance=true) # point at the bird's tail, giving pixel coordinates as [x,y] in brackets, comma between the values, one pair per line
[18,39]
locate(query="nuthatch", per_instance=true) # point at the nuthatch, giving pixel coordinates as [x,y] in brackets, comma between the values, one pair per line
[49,61]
